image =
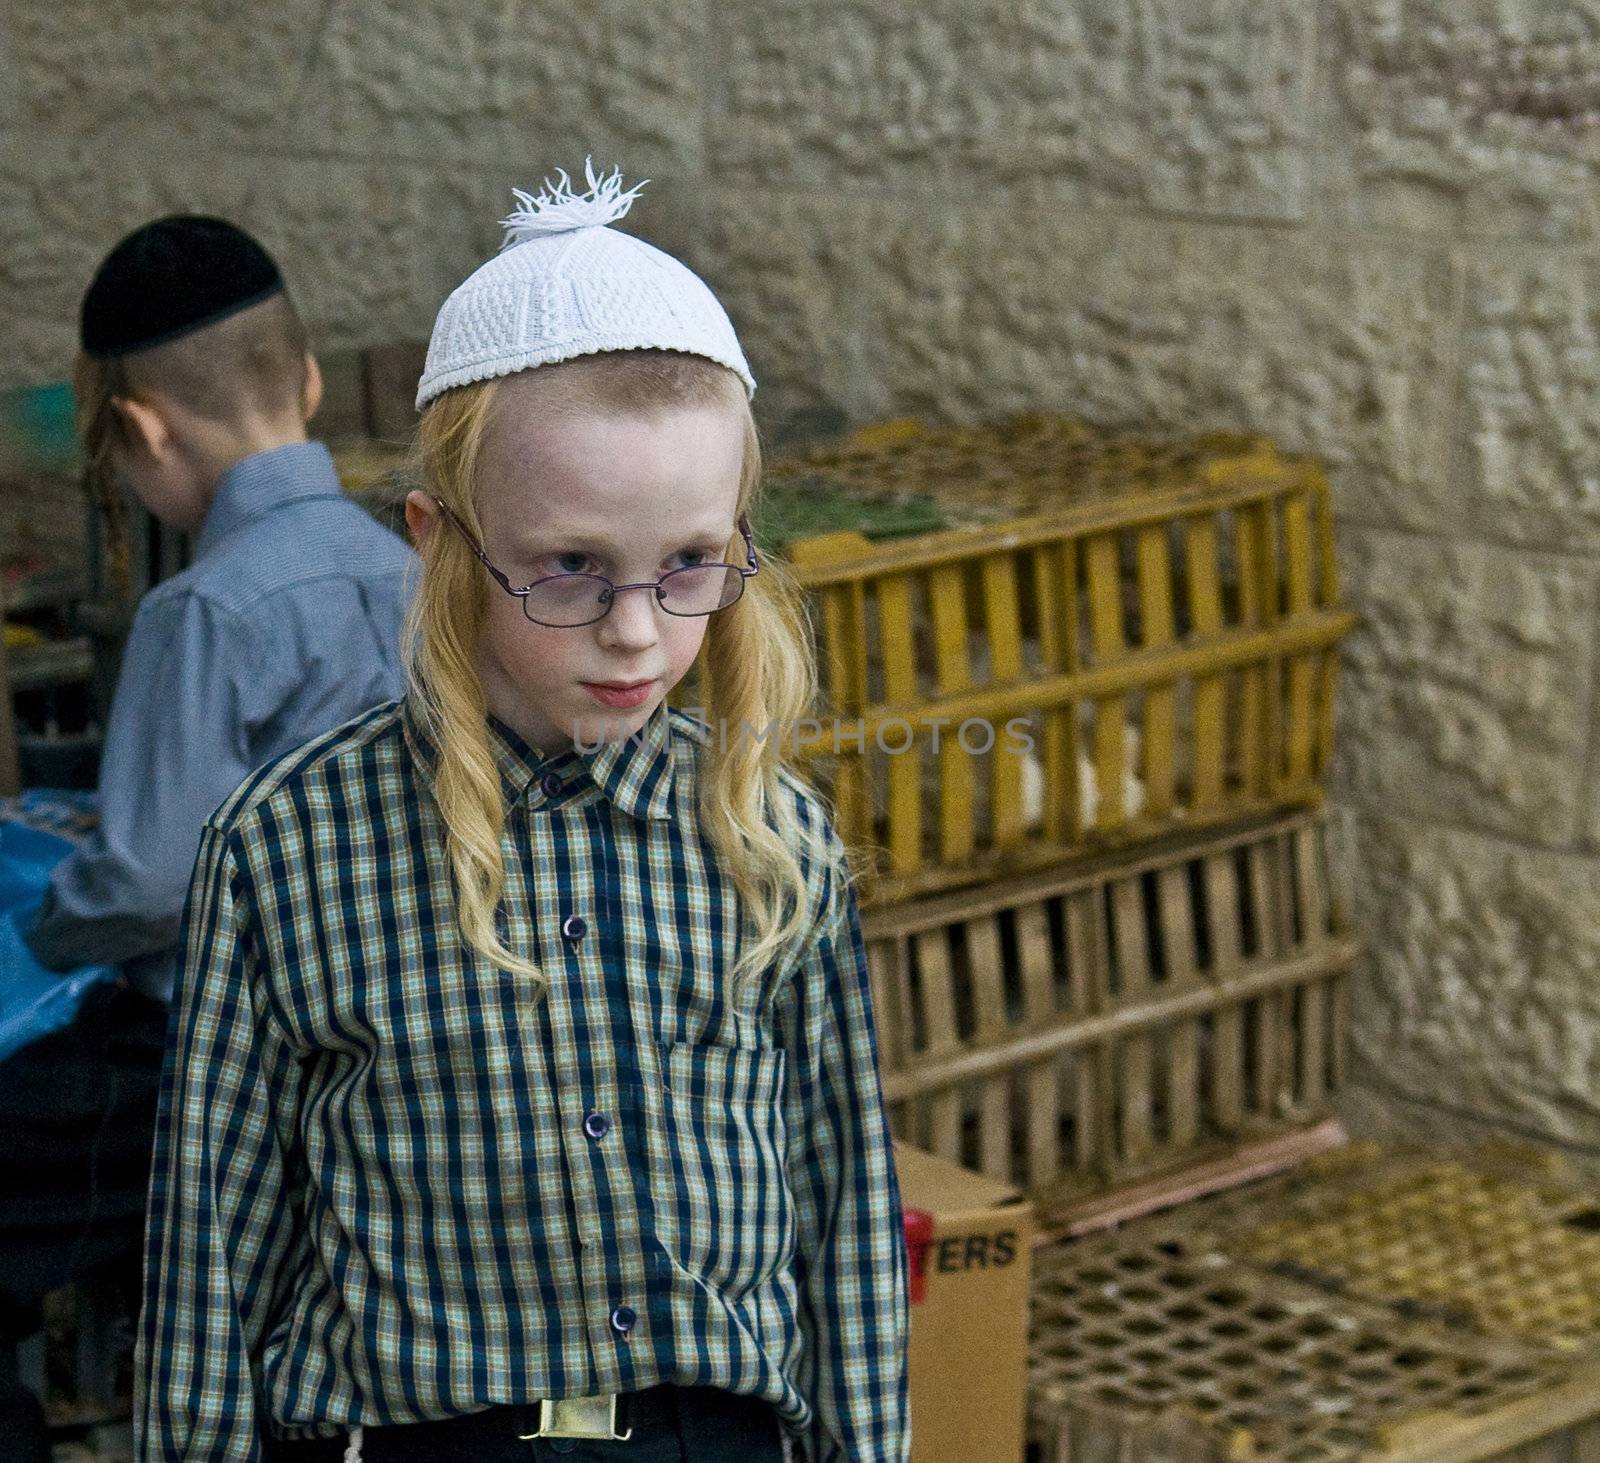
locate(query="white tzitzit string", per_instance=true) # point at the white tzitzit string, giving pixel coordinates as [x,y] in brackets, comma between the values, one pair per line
[558,210]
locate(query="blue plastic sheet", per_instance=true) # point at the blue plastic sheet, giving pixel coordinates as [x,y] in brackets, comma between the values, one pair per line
[33,1001]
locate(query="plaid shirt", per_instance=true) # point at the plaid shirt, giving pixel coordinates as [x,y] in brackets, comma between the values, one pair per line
[391,1185]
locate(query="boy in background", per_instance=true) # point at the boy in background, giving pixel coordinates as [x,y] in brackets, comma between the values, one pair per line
[194,384]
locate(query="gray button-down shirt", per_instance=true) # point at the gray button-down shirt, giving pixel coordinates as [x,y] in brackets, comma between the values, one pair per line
[286,624]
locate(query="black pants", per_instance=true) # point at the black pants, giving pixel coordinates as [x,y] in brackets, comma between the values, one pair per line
[77,1118]
[77,1115]
[670,1425]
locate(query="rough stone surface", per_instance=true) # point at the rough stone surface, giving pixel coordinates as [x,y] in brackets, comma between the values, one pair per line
[1480,991]
[364,245]
[63,204]
[361,243]
[426,80]
[1466,688]
[11,85]
[1167,105]
[1530,440]
[840,303]
[159,72]
[1388,1116]
[530,85]
[1481,116]
[1333,350]
[874,307]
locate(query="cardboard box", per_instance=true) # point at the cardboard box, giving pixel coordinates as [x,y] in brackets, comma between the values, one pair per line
[970,1243]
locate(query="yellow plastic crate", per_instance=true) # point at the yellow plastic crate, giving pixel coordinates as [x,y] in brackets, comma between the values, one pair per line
[1159,653]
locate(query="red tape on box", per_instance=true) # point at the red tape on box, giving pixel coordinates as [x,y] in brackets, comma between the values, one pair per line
[919,1241]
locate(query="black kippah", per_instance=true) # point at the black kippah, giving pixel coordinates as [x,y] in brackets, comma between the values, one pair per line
[169,278]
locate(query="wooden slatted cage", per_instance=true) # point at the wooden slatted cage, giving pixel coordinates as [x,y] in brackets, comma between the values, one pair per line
[1118,1017]
[1001,697]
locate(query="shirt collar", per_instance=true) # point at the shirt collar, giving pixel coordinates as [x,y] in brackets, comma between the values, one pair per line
[634,774]
[264,481]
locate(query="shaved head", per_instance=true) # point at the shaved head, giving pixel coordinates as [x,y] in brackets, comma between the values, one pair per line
[250,365]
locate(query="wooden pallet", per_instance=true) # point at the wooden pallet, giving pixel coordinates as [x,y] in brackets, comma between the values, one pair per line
[1504,1246]
[1164,1343]
[1113,1018]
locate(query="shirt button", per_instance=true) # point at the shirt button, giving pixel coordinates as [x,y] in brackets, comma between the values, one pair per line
[573,927]
[622,1320]
[551,784]
[597,1125]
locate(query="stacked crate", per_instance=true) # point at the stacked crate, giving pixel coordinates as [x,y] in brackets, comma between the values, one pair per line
[1114,971]
[1108,941]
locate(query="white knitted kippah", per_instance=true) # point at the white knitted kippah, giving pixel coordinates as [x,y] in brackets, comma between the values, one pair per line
[565,285]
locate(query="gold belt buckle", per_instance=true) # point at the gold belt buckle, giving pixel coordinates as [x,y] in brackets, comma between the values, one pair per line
[579,1417]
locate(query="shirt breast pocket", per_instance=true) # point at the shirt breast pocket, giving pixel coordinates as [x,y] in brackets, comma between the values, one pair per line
[718,1142]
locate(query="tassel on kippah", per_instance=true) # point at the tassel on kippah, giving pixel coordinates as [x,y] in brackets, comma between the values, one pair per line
[558,210]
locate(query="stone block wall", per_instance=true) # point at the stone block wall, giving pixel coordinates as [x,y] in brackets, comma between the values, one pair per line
[1367,227]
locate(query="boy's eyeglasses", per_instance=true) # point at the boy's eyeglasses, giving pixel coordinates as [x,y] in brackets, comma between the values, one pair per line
[566,601]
